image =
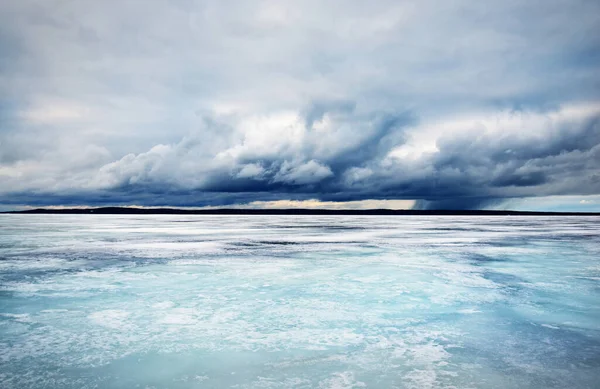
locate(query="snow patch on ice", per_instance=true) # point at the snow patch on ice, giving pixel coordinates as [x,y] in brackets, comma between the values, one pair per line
[343,380]
[111,318]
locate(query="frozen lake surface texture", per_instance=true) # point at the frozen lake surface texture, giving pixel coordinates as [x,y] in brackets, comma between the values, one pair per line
[299,302]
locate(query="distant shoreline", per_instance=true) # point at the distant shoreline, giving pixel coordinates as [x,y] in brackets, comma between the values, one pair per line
[292,211]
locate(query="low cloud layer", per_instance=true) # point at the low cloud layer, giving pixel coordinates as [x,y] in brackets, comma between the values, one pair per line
[187,103]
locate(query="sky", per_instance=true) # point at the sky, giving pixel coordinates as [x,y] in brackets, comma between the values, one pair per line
[342,104]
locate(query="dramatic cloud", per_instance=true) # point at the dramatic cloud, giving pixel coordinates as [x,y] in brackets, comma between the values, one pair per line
[209,103]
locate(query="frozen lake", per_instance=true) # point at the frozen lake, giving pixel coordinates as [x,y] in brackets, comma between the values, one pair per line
[299,302]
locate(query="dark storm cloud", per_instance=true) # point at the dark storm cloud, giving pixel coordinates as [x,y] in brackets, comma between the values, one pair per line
[458,105]
[474,170]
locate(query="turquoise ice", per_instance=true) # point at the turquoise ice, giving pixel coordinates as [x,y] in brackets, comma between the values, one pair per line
[299,302]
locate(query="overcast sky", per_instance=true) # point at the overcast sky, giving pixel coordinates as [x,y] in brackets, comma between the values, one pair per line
[431,104]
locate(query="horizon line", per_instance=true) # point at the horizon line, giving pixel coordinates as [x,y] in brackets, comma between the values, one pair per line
[287,211]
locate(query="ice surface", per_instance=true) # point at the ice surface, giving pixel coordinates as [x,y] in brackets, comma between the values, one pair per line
[99,301]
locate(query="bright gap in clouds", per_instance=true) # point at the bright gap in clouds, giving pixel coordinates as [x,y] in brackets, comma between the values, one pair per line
[316,204]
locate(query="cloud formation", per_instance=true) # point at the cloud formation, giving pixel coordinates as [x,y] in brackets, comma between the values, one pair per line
[202,103]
